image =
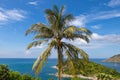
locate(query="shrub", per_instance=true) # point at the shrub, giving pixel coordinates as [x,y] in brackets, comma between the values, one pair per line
[6,74]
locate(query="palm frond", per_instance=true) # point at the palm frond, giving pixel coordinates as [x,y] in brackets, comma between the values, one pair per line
[43,58]
[70,63]
[73,33]
[43,36]
[75,51]
[81,36]
[62,10]
[67,18]
[55,9]
[36,43]
[84,30]
[69,30]
[49,12]
[37,28]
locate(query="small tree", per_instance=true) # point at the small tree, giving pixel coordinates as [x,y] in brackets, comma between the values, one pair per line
[4,72]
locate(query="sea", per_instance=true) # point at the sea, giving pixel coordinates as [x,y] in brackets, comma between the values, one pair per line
[24,66]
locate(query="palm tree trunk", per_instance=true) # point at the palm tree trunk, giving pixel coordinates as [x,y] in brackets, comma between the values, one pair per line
[59,62]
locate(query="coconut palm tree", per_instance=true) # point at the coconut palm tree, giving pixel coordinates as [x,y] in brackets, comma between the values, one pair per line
[53,33]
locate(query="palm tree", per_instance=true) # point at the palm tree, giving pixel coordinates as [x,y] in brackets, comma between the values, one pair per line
[53,33]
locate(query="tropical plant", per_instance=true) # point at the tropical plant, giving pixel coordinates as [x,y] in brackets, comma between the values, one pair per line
[103,76]
[4,72]
[53,33]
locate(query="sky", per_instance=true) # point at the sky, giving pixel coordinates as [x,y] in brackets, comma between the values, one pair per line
[102,17]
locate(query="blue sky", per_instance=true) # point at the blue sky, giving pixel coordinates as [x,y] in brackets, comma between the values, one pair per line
[102,17]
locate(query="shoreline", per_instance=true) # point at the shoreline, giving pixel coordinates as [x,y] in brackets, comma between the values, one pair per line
[71,76]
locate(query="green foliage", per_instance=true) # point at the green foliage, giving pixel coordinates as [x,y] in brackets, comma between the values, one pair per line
[103,76]
[6,74]
[76,78]
[14,75]
[91,69]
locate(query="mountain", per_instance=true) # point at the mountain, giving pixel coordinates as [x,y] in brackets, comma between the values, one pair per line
[115,58]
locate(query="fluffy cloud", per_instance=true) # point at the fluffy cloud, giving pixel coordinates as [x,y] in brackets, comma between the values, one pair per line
[114,3]
[83,19]
[11,15]
[105,15]
[111,38]
[96,26]
[79,21]
[33,3]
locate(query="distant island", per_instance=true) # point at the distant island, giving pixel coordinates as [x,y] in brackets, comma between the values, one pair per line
[115,58]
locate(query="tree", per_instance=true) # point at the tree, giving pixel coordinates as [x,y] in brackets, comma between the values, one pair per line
[53,33]
[4,72]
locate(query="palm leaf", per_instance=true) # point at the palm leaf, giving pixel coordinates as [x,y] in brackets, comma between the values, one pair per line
[55,9]
[62,10]
[43,36]
[43,58]
[36,43]
[75,51]
[37,28]
[67,18]
[85,30]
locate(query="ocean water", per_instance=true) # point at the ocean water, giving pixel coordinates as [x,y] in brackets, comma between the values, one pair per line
[25,66]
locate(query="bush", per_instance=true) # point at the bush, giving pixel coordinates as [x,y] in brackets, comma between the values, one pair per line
[14,75]
[103,76]
[6,74]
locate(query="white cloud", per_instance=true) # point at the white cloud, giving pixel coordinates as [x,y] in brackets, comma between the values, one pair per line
[95,36]
[105,15]
[15,14]
[79,21]
[11,15]
[99,41]
[96,26]
[113,3]
[3,17]
[111,38]
[83,19]
[33,3]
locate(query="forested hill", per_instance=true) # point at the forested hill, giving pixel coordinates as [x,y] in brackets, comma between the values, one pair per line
[115,58]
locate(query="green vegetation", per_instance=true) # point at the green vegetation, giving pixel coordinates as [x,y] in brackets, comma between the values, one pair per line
[53,33]
[92,69]
[6,74]
[103,76]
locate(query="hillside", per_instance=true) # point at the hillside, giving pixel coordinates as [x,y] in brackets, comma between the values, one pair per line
[115,58]
[91,69]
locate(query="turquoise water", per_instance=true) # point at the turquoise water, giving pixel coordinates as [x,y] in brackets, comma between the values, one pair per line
[25,65]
